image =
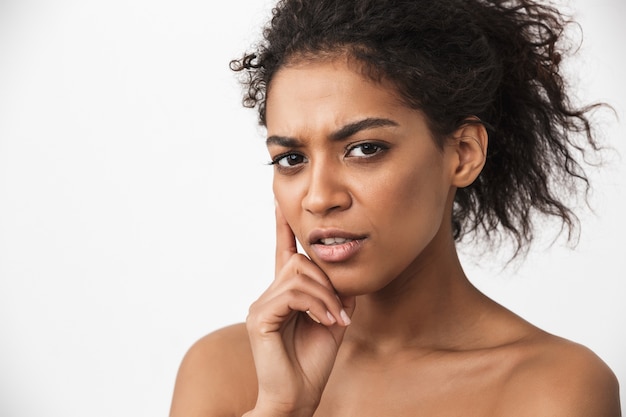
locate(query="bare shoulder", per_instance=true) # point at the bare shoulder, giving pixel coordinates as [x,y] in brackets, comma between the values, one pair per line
[556,377]
[216,376]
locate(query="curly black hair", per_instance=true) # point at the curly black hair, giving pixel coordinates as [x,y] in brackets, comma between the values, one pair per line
[495,60]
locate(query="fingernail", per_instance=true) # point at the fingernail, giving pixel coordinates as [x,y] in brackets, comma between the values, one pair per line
[345,317]
[315,319]
[331,317]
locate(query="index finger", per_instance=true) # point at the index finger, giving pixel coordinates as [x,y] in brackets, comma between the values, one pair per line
[285,240]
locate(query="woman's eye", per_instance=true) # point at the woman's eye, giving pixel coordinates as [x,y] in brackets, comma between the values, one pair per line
[289,160]
[364,150]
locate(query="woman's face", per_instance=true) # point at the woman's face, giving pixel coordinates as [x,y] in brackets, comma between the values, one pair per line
[357,175]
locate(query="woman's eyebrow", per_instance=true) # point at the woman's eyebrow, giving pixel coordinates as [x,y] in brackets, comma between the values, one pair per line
[284,141]
[339,135]
[353,128]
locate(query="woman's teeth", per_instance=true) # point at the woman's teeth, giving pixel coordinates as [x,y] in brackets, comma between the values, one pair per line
[334,241]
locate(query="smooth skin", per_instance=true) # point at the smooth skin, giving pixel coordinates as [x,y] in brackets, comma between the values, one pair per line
[401,332]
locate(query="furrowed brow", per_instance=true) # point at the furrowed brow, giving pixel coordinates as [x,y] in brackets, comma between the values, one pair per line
[365,124]
[284,141]
[339,135]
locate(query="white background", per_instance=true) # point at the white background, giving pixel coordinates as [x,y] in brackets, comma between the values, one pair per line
[136,213]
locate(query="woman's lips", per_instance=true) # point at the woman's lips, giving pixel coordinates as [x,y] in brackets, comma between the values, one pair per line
[336,249]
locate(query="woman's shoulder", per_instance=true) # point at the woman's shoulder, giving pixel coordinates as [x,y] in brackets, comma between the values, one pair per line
[554,376]
[217,376]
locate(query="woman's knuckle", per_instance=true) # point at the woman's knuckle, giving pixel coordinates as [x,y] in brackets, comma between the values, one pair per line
[292,293]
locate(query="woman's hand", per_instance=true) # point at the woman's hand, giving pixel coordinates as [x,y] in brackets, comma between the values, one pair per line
[295,329]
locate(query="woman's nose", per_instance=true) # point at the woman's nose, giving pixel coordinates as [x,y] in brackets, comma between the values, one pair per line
[327,191]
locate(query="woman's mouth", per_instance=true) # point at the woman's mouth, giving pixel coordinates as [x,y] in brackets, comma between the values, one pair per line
[334,241]
[336,248]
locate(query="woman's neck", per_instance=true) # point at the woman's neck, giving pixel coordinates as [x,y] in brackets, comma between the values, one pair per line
[431,305]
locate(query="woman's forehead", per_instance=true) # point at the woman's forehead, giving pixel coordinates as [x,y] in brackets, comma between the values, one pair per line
[331,89]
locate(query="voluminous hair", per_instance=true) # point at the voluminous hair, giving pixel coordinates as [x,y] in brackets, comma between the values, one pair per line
[498,61]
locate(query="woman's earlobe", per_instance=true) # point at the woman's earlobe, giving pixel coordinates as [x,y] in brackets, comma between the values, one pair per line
[470,142]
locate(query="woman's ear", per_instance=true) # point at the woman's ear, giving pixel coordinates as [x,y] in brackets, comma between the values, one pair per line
[470,144]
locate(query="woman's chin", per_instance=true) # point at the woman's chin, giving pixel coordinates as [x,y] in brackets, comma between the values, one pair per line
[354,283]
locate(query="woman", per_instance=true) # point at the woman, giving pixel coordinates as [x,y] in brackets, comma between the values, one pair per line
[395,129]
